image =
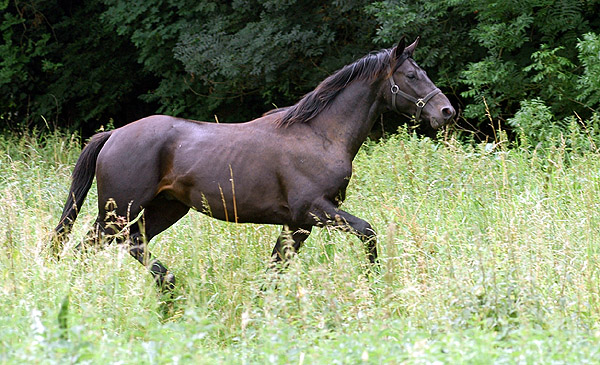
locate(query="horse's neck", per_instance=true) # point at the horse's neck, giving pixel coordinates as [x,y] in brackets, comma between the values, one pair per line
[349,119]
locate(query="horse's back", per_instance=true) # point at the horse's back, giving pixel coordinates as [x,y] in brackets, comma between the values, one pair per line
[193,162]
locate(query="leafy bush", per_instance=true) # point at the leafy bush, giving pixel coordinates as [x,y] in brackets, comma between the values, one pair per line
[236,59]
[62,66]
[589,56]
[535,122]
[81,64]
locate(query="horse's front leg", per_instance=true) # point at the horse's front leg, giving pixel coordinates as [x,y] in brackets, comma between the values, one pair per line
[327,213]
[288,243]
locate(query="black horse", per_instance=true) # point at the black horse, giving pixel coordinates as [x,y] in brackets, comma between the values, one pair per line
[290,167]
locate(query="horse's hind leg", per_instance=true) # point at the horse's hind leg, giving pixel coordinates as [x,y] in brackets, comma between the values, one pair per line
[288,243]
[158,216]
[139,250]
[96,236]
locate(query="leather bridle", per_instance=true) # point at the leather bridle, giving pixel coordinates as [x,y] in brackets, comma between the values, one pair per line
[420,103]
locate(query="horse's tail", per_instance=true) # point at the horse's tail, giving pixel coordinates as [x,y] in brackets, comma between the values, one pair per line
[81,181]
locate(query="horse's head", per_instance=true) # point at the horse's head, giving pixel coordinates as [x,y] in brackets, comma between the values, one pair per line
[410,90]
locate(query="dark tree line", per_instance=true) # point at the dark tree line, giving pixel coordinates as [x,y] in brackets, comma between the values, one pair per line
[82,64]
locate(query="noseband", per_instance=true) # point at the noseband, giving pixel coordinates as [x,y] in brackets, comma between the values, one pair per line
[420,103]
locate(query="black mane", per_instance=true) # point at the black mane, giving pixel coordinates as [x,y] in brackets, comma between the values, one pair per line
[368,67]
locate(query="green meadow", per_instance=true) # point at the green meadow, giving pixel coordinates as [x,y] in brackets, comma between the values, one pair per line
[489,253]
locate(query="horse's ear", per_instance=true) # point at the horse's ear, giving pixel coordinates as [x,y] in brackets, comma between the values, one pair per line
[399,50]
[410,49]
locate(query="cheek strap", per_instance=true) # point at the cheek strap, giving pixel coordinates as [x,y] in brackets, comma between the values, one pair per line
[420,103]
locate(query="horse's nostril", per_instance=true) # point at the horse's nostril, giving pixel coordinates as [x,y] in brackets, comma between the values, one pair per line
[448,112]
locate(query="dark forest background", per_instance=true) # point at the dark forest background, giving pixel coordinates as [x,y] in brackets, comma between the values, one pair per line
[80,65]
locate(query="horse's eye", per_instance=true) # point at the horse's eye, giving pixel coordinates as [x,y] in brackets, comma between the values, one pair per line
[411,75]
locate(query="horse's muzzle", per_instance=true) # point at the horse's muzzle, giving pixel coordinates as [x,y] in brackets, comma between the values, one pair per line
[447,113]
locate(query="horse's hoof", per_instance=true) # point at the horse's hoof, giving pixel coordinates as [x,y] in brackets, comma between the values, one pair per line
[166,282]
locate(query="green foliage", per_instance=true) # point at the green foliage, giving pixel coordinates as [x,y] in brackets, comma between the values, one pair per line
[537,40]
[535,123]
[555,78]
[81,64]
[502,52]
[489,255]
[589,56]
[491,84]
[62,65]
[502,36]
[153,27]
[442,50]
[218,56]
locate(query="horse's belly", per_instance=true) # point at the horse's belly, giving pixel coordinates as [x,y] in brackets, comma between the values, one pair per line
[241,200]
[239,209]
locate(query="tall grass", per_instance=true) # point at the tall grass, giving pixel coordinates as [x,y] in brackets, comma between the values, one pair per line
[489,254]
